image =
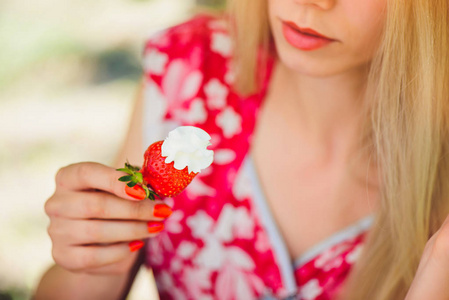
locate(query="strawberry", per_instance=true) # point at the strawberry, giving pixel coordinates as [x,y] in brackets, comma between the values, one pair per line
[163,178]
[170,165]
[157,177]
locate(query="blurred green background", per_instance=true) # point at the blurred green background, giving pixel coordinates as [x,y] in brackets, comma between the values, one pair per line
[69,72]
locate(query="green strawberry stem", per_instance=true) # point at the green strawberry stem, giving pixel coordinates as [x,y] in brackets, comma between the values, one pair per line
[135,177]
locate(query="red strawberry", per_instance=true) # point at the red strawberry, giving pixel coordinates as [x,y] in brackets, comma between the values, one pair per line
[162,178]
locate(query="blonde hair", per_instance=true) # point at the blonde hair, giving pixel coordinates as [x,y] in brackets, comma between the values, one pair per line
[250,30]
[407,122]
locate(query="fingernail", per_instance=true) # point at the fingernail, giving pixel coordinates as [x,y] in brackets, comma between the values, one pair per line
[135,245]
[162,211]
[137,192]
[154,226]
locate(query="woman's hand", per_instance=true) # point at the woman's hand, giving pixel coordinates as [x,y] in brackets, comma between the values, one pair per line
[93,220]
[432,277]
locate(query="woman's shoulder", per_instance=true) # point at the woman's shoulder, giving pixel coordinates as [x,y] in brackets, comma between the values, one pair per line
[199,39]
[188,76]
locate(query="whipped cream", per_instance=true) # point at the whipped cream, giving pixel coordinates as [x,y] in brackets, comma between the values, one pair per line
[187,147]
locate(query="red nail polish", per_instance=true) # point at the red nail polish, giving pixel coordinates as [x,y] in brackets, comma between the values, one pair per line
[137,192]
[162,211]
[154,226]
[135,245]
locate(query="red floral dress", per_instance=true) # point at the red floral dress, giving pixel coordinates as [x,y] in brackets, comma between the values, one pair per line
[221,241]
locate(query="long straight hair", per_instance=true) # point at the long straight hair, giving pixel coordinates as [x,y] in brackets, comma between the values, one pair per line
[251,33]
[406,129]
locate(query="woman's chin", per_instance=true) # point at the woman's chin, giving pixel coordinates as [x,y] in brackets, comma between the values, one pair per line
[314,66]
[310,70]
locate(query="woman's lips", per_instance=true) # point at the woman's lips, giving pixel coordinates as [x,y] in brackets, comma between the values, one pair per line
[304,38]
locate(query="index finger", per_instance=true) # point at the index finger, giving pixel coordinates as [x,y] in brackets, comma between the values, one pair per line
[91,175]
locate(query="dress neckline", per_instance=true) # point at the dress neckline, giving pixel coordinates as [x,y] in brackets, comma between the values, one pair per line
[287,264]
[333,239]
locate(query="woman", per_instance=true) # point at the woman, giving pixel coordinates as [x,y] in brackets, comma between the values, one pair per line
[338,191]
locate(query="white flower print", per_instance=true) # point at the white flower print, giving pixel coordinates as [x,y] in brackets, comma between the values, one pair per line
[197,189]
[197,279]
[224,156]
[212,256]
[181,81]
[235,280]
[172,224]
[234,222]
[221,43]
[155,108]
[354,254]
[310,290]
[331,258]
[191,85]
[201,225]
[242,186]
[244,224]
[155,102]
[226,223]
[155,61]
[216,93]
[186,249]
[239,258]
[196,113]
[226,285]
[162,241]
[176,265]
[235,267]
[230,122]
[262,242]
[335,263]
[154,247]
[229,76]
[215,140]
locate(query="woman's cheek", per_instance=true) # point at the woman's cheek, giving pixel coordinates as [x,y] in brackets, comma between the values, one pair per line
[366,20]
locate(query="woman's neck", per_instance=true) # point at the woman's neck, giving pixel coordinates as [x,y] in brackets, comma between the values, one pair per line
[328,110]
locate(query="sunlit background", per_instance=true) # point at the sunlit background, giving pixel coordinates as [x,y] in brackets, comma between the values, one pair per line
[68,73]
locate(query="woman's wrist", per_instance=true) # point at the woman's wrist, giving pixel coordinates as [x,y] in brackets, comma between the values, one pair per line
[58,283]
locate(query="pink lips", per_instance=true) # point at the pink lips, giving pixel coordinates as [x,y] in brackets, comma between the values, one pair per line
[304,38]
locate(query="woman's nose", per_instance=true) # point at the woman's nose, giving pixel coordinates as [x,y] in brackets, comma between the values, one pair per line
[322,4]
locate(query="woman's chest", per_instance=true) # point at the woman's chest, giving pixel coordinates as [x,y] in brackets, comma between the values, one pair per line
[310,198]
[311,207]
